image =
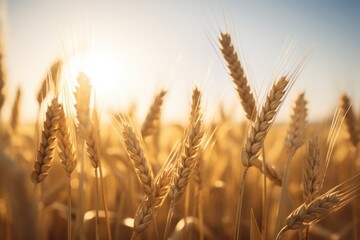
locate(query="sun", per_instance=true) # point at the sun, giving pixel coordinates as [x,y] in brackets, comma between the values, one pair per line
[109,74]
[103,69]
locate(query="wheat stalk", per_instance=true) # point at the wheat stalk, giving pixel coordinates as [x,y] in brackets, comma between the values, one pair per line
[46,151]
[238,75]
[152,120]
[83,126]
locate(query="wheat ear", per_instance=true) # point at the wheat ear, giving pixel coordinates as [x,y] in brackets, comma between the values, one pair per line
[350,119]
[66,149]
[46,151]
[263,122]
[82,96]
[320,207]
[296,134]
[14,118]
[51,80]
[152,120]
[238,75]
[312,171]
[136,152]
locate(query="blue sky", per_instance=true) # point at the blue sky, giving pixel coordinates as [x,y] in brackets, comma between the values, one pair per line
[173,44]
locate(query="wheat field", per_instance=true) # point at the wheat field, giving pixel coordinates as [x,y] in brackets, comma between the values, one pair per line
[72,176]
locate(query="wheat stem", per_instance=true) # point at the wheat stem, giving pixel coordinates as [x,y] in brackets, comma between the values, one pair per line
[69,207]
[103,194]
[168,220]
[97,234]
[239,205]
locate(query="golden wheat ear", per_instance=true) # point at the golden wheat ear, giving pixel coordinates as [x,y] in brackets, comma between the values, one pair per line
[152,120]
[311,177]
[66,149]
[82,105]
[14,118]
[50,81]
[238,75]
[320,207]
[136,152]
[350,119]
[296,134]
[46,150]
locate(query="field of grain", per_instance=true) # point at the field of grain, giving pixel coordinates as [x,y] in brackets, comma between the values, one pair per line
[72,176]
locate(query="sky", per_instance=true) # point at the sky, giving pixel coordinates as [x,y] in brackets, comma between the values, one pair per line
[132,49]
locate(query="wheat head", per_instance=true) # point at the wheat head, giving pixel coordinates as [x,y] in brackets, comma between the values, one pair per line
[238,75]
[46,151]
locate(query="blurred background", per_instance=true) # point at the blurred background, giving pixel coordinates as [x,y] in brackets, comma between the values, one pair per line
[131,49]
